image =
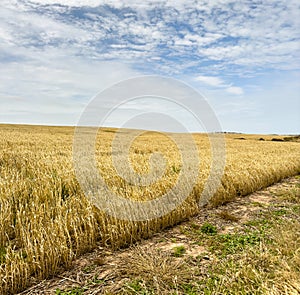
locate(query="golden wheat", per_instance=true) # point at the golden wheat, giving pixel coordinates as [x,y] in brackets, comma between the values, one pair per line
[45,219]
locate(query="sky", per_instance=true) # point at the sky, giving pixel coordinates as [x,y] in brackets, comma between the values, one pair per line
[242,56]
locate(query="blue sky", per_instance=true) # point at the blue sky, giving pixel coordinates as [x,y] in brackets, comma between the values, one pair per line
[55,55]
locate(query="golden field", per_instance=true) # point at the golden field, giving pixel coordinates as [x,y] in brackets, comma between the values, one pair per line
[46,221]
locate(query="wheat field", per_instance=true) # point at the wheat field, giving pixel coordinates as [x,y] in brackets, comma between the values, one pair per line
[46,221]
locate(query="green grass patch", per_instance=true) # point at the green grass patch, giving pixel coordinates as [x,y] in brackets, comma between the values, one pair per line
[280,212]
[225,244]
[190,289]
[136,287]
[179,251]
[208,229]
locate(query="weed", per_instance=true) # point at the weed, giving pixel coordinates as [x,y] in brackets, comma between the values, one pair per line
[89,268]
[208,229]
[233,243]
[264,266]
[190,289]
[296,209]
[135,285]
[280,212]
[179,251]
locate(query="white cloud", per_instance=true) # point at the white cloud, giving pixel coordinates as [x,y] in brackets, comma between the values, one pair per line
[75,3]
[219,83]
[235,33]
[54,50]
[213,81]
[59,85]
[235,90]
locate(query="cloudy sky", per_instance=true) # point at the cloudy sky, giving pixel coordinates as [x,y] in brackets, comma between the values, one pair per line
[243,56]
